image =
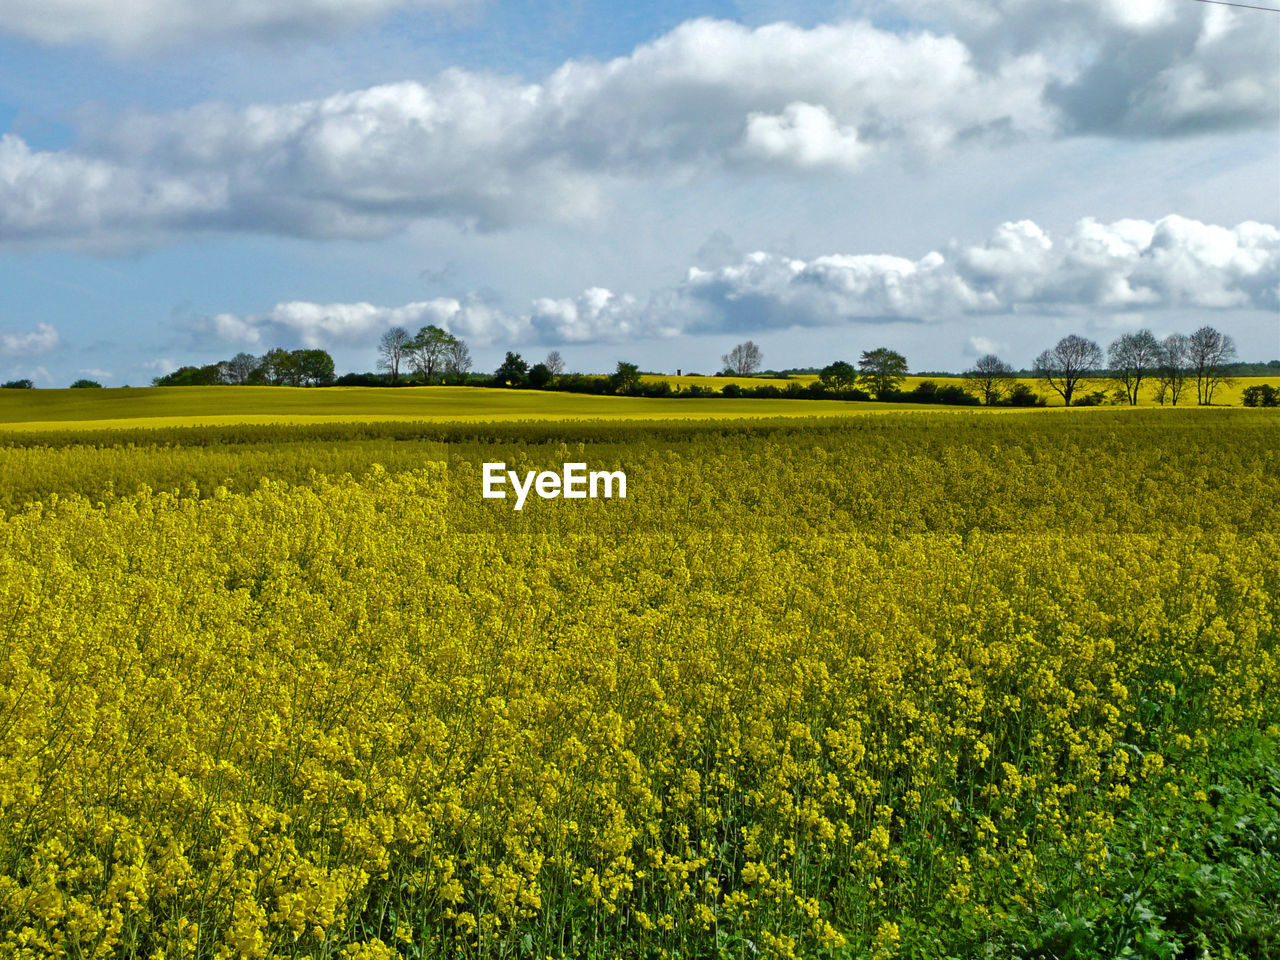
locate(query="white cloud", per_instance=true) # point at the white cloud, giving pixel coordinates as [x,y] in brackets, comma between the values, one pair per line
[1097,268]
[97,373]
[55,195]
[129,25]
[1129,67]
[38,374]
[598,314]
[706,98]
[493,151]
[319,325]
[805,136]
[981,346]
[42,339]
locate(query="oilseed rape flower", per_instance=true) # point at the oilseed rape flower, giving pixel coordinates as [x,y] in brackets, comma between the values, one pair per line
[776,702]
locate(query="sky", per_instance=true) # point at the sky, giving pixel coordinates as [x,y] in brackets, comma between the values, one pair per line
[654,182]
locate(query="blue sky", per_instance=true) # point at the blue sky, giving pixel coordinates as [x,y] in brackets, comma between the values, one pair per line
[179,182]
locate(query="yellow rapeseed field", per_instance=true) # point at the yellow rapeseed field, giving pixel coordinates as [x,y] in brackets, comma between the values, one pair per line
[154,407]
[904,685]
[1228,394]
[160,407]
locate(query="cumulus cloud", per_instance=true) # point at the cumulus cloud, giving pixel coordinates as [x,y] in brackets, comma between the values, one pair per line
[37,374]
[42,339]
[128,25]
[66,196]
[1128,67]
[1129,264]
[492,151]
[805,136]
[1109,268]
[981,346]
[320,325]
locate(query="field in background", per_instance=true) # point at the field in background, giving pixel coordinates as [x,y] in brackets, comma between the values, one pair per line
[218,406]
[1225,396]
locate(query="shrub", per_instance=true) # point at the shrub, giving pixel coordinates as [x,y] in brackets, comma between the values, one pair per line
[1095,399]
[1022,396]
[1259,395]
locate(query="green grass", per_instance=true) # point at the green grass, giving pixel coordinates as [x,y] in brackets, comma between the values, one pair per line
[1194,869]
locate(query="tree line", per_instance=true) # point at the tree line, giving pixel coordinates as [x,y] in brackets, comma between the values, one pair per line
[1077,369]
[275,368]
[1075,365]
[432,355]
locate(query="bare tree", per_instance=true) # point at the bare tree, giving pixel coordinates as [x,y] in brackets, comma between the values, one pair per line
[1208,351]
[1069,365]
[457,360]
[743,360]
[1171,369]
[1131,359]
[554,363]
[393,348]
[989,378]
[239,369]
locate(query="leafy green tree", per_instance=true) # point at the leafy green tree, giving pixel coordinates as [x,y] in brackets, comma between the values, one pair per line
[539,376]
[1259,395]
[881,370]
[429,350]
[275,369]
[82,384]
[211,374]
[513,372]
[626,378]
[1022,396]
[23,384]
[838,376]
[291,368]
[312,368]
